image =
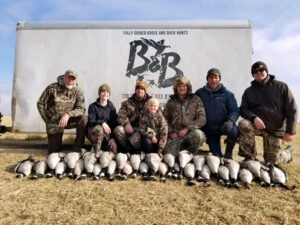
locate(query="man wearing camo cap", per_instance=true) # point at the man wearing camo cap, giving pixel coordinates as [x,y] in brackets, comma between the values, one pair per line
[127,133]
[61,106]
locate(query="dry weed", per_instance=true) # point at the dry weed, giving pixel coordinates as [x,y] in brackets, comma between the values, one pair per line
[51,201]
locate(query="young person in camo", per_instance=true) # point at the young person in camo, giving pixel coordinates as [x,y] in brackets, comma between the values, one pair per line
[154,133]
[153,128]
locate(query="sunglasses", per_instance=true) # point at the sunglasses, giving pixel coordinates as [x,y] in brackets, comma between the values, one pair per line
[259,70]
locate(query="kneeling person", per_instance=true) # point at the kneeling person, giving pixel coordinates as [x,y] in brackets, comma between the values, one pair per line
[102,118]
[221,114]
[185,115]
[154,134]
[61,106]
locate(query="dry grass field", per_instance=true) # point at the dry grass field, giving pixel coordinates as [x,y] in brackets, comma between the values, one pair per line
[53,201]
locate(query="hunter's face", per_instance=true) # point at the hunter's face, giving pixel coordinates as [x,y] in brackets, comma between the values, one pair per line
[182,89]
[260,75]
[213,81]
[140,92]
[104,95]
[69,81]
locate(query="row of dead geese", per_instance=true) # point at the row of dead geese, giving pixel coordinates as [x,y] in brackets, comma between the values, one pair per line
[80,165]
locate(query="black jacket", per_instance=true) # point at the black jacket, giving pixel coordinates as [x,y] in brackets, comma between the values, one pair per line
[273,102]
[98,114]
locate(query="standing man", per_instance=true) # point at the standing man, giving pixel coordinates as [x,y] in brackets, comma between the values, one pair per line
[61,106]
[127,133]
[185,115]
[269,110]
[221,114]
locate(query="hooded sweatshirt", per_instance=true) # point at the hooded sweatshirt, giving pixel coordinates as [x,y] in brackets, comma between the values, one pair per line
[57,100]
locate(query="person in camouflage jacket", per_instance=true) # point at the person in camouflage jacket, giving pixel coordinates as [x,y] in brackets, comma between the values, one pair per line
[185,115]
[127,133]
[153,128]
[61,106]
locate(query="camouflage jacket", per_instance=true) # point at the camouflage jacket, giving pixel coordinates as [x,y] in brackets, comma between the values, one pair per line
[187,114]
[156,124]
[57,100]
[130,111]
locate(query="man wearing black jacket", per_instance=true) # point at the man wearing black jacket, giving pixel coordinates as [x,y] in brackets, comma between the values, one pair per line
[269,110]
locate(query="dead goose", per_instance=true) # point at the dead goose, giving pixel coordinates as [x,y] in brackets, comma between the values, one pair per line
[213,163]
[265,179]
[40,168]
[176,170]
[135,161]
[96,171]
[153,160]
[162,171]
[121,159]
[169,159]
[223,174]
[24,167]
[71,159]
[104,159]
[60,170]
[127,170]
[184,158]
[52,160]
[78,169]
[111,170]
[144,169]
[246,177]
[189,173]
[286,154]
[279,177]
[254,166]
[199,161]
[205,175]
[233,167]
[89,160]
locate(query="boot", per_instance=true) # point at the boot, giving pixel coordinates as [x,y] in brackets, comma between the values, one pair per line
[229,148]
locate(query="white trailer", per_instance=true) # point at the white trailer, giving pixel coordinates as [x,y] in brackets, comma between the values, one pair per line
[120,53]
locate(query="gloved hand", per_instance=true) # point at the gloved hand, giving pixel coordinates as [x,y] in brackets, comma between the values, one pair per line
[226,127]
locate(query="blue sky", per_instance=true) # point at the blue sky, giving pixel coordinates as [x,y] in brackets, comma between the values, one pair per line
[276,27]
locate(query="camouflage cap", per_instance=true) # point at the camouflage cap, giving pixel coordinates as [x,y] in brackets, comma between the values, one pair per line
[104,87]
[70,73]
[141,84]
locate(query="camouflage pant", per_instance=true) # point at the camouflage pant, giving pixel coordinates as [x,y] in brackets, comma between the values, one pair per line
[95,134]
[128,143]
[192,142]
[271,144]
